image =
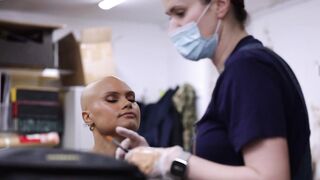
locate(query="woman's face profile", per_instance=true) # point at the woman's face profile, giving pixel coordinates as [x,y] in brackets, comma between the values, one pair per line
[182,12]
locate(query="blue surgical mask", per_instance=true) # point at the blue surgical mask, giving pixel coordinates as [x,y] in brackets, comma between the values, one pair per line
[191,45]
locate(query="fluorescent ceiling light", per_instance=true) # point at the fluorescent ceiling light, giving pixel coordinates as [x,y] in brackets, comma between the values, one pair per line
[108,4]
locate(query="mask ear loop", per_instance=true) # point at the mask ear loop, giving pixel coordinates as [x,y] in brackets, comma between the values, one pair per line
[217,29]
[218,26]
[204,12]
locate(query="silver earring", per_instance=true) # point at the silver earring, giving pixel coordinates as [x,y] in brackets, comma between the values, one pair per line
[91,127]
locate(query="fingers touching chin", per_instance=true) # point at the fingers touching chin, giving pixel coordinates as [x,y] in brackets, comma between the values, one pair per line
[130,125]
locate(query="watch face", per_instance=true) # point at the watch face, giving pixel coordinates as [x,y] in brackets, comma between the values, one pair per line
[178,168]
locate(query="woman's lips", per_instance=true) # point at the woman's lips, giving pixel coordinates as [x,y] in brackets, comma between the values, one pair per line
[128,115]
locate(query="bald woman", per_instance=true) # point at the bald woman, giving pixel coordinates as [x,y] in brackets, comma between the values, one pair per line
[106,104]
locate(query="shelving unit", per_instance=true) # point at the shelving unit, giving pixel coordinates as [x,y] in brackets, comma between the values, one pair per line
[26,78]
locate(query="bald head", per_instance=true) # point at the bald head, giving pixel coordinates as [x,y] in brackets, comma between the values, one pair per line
[96,89]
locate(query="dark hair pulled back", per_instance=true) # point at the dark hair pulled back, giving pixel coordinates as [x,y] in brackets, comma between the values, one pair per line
[238,9]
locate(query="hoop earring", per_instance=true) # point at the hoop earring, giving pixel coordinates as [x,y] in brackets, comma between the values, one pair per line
[91,127]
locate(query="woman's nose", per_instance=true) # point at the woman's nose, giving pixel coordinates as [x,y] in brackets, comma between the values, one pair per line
[127,104]
[172,26]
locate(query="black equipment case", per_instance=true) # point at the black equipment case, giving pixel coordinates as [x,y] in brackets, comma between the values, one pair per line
[56,164]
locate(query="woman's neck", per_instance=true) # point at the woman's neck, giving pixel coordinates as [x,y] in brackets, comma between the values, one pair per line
[231,34]
[103,146]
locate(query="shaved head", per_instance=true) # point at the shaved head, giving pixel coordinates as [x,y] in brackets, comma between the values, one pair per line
[106,104]
[110,102]
[91,91]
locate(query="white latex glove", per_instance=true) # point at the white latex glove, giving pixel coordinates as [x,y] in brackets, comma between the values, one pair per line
[154,162]
[132,140]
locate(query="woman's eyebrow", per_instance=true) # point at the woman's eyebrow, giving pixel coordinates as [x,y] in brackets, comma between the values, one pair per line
[130,92]
[117,93]
[170,10]
[111,93]
[173,8]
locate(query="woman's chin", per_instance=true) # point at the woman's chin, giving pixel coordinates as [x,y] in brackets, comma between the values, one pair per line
[130,125]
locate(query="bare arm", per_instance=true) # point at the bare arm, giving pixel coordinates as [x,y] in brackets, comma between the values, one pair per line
[264,159]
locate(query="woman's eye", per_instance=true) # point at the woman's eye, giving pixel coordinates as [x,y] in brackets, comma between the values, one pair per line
[131,97]
[180,14]
[132,100]
[111,100]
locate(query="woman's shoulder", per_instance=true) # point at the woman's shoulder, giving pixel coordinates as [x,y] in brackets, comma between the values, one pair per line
[253,59]
[251,66]
[249,50]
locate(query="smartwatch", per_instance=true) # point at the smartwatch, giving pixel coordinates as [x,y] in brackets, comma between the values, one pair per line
[180,164]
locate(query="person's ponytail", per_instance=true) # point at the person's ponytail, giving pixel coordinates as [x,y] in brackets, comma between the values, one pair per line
[239,10]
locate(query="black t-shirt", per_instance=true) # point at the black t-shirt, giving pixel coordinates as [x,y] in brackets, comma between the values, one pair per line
[252,100]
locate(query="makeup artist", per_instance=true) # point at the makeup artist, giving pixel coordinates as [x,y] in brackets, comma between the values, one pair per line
[106,104]
[256,124]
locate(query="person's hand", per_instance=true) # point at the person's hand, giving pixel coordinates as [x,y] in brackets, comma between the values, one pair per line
[132,140]
[154,162]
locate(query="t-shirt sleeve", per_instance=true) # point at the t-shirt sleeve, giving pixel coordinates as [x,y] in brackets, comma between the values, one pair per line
[256,108]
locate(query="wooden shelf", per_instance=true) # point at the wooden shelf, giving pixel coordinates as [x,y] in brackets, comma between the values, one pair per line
[14,140]
[48,73]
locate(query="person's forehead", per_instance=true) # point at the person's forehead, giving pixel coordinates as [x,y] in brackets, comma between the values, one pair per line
[112,84]
[172,3]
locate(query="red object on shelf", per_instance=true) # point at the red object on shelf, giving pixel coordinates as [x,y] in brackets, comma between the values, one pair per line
[51,137]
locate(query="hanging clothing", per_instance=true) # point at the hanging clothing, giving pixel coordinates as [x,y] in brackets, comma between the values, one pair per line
[185,102]
[161,123]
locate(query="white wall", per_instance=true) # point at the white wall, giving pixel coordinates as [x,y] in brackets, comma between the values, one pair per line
[150,64]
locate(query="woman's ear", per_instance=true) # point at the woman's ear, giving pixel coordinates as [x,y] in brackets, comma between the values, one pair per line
[86,117]
[222,8]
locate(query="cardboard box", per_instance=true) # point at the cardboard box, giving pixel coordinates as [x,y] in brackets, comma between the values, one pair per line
[70,59]
[27,45]
[89,60]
